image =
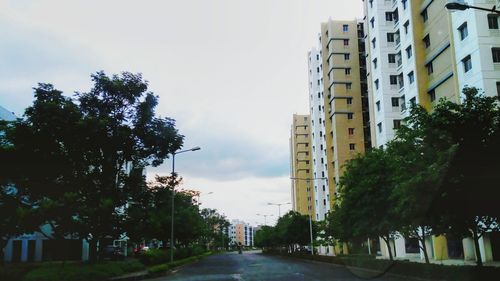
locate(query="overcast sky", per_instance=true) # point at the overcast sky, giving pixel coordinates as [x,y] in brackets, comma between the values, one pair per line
[230,72]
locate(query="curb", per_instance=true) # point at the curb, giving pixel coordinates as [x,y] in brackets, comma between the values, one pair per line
[145,274]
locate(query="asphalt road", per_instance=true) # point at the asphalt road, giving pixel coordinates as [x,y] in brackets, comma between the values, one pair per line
[255,266]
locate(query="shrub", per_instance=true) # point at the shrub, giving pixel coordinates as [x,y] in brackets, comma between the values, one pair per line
[82,272]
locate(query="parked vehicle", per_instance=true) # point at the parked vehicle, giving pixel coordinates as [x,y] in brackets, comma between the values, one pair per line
[112,253]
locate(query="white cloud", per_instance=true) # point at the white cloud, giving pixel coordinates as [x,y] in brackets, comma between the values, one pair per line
[231,72]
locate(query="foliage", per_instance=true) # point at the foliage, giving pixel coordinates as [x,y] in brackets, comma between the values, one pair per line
[439,162]
[82,272]
[73,156]
[292,229]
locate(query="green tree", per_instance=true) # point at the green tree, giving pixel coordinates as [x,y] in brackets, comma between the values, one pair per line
[364,201]
[293,229]
[466,196]
[77,154]
[265,237]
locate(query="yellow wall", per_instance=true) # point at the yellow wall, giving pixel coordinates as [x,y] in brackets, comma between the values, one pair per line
[302,189]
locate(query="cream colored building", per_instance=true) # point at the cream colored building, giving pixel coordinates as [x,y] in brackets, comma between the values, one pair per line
[300,165]
[417,53]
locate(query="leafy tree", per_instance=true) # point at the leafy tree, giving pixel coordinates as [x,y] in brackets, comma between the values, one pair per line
[466,198]
[265,237]
[293,229]
[77,154]
[214,223]
[364,200]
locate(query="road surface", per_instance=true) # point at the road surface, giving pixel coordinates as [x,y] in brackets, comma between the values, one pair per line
[258,267]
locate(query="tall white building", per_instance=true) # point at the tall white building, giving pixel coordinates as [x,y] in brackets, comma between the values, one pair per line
[477,47]
[318,126]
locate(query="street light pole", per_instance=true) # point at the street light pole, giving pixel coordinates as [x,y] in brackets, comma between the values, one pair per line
[172,243]
[279,207]
[311,233]
[460,5]
[265,218]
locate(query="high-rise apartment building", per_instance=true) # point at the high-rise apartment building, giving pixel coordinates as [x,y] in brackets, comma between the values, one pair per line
[300,165]
[417,53]
[338,106]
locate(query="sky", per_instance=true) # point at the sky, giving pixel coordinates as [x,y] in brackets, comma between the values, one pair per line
[230,72]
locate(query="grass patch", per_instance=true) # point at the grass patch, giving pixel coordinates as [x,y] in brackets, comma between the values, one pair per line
[82,272]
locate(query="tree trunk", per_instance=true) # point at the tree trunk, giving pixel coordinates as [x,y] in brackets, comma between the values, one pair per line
[424,247]
[476,237]
[388,243]
[92,250]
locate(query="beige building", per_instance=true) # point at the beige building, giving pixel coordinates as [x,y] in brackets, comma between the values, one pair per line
[300,166]
[419,52]
[345,96]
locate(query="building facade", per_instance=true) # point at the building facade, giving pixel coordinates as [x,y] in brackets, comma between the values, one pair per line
[241,234]
[300,165]
[417,53]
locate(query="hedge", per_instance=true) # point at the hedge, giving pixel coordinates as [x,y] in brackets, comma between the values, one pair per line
[82,272]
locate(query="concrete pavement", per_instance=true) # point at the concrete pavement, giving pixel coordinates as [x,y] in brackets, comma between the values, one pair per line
[255,266]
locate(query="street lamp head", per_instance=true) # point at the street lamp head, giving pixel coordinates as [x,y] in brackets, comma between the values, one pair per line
[455,5]
[195,148]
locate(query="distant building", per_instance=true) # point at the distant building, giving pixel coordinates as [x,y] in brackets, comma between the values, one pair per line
[6,115]
[241,233]
[300,165]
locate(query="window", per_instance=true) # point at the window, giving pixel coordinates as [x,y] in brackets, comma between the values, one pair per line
[346,42]
[430,68]
[351,131]
[376,84]
[404,4]
[352,146]
[432,95]
[349,100]
[372,22]
[379,126]
[389,16]
[463,31]
[498,89]
[467,63]
[378,105]
[345,28]
[393,79]
[347,56]
[395,102]
[427,41]
[348,86]
[375,63]
[347,71]
[374,41]
[413,102]
[406,25]
[408,52]
[371,3]
[411,77]
[350,116]
[396,124]
[495,52]
[424,15]
[390,37]
[493,21]
[392,58]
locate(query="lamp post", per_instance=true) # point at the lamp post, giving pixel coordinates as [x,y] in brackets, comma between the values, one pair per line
[172,243]
[265,217]
[279,207]
[461,5]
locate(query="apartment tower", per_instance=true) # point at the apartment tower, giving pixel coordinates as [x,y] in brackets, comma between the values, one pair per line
[300,165]
[417,53]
